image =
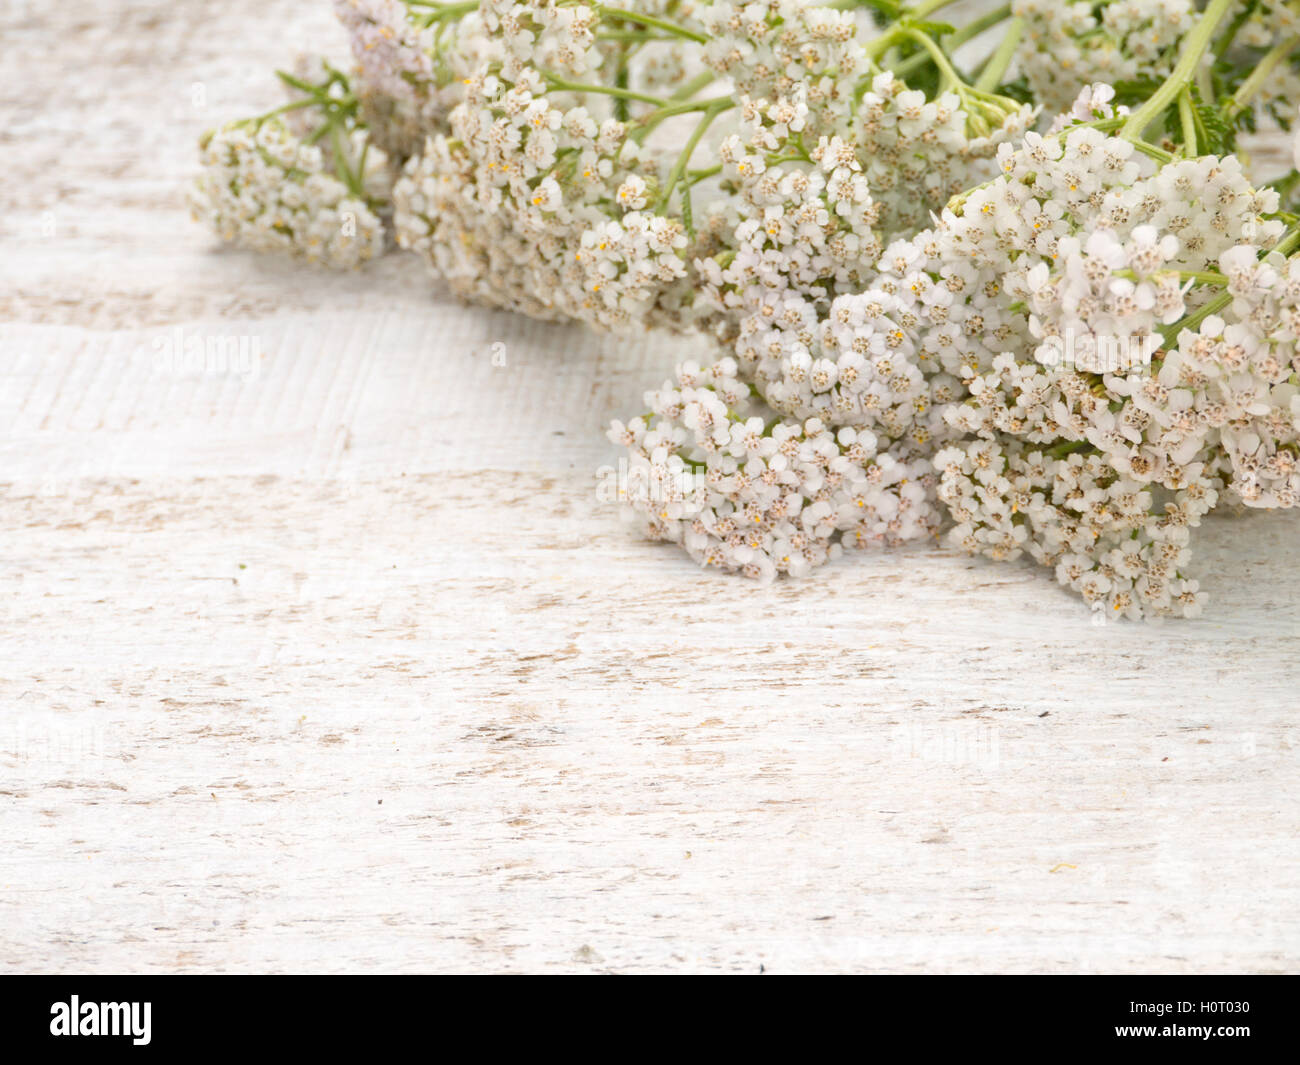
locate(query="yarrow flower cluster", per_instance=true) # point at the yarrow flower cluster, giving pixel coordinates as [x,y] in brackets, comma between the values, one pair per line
[1039,307]
[1079,422]
[1068,44]
[266,189]
[534,204]
[305,179]
[715,471]
[812,322]
[410,63]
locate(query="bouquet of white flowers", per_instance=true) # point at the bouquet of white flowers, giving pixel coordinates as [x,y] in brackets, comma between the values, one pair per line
[1038,303]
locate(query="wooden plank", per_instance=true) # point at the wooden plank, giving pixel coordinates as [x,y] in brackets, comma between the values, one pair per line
[344,665]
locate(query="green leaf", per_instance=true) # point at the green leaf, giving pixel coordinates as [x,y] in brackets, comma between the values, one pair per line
[891,9]
[933,29]
[1215,135]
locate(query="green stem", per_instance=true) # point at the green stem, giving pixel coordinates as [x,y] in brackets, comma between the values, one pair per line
[649,20]
[607,90]
[882,44]
[777,160]
[1066,447]
[1195,45]
[918,12]
[442,13]
[694,177]
[1205,83]
[1259,76]
[341,167]
[690,88]
[295,105]
[954,40]
[647,123]
[1187,119]
[640,36]
[1170,333]
[1204,277]
[1234,27]
[299,84]
[904,28]
[948,72]
[926,7]
[685,107]
[318,95]
[1152,151]
[683,160]
[621,81]
[991,76]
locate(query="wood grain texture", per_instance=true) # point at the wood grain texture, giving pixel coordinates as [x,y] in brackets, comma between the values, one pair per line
[345,665]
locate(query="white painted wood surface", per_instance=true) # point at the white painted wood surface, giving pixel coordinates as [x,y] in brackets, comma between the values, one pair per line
[344,666]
